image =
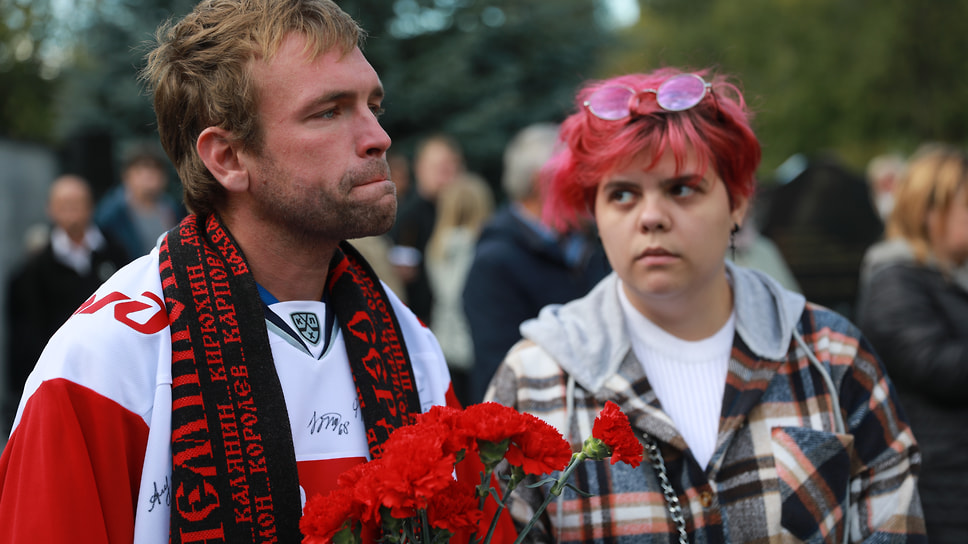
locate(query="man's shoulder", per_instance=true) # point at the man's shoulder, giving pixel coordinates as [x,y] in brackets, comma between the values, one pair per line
[506,235]
[126,311]
[114,342]
[30,263]
[112,209]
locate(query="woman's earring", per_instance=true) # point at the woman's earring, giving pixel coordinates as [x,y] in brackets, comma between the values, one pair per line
[732,241]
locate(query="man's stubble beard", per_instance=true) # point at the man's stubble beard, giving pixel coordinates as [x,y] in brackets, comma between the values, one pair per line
[332,214]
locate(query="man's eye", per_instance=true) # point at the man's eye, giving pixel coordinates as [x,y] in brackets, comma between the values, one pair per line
[327,114]
[377,110]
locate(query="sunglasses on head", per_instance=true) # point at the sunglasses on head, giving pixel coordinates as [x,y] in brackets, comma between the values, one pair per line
[678,93]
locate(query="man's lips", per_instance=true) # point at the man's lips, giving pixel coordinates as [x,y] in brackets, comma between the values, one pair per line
[377,179]
[373,182]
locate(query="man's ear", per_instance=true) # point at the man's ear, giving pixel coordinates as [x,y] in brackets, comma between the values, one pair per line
[221,156]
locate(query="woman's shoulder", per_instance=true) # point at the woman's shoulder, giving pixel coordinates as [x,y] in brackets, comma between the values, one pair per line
[819,319]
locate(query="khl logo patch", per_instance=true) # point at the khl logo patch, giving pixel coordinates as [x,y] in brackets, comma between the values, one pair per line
[308,326]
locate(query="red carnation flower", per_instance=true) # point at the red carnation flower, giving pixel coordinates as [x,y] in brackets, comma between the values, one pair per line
[454,509]
[456,438]
[492,422]
[613,428]
[414,468]
[539,449]
[366,504]
[323,517]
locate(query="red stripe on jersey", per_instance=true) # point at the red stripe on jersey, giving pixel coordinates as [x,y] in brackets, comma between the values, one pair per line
[320,476]
[72,467]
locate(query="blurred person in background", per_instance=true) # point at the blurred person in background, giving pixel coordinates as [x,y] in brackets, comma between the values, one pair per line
[462,209]
[376,251]
[400,174]
[57,278]
[139,210]
[749,248]
[883,172]
[765,418]
[438,161]
[915,313]
[521,264]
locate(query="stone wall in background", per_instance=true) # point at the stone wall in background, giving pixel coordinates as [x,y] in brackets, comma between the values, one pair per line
[26,171]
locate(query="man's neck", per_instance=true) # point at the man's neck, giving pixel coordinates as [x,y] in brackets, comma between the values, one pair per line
[289,268]
[141,202]
[78,237]
[531,206]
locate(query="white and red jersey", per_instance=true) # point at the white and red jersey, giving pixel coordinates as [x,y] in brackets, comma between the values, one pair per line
[89,456]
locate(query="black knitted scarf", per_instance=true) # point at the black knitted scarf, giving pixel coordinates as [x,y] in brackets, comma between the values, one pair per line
[234,475]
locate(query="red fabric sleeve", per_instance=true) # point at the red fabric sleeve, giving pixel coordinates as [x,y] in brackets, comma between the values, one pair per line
[71,470]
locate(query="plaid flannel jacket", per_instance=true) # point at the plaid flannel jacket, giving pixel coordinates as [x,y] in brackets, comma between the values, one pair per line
[780,472]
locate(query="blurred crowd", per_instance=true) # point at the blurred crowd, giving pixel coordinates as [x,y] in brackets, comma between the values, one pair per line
[787,353]
[81,245]
[474,260]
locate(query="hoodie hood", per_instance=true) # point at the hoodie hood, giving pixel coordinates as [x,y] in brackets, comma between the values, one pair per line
[588,336]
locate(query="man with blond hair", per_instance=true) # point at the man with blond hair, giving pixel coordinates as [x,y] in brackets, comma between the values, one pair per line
[207,389]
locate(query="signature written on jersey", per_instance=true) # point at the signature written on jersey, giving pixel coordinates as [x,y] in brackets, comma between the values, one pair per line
[334,422]
[160,495]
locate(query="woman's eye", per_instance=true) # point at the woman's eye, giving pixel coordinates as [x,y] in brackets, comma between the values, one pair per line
[621,196]
[682,189]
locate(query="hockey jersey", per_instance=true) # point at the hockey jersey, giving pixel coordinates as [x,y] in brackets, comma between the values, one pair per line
[89,457]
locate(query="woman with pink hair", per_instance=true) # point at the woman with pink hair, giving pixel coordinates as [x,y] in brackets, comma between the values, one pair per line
[765,418]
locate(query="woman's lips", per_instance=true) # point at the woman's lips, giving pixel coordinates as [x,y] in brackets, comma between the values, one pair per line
[657,256]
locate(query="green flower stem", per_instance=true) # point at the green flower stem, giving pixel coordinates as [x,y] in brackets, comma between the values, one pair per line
[497,515]
[485,484]
[516,476]
[555,491]
[426,526]
[485,478]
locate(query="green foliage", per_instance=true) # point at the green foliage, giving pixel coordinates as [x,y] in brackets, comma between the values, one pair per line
[857,77]
[101,90]
[25,103]
[26,87]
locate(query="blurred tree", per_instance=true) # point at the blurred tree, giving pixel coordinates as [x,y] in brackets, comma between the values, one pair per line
[28,83]
[101,91]
[856,77]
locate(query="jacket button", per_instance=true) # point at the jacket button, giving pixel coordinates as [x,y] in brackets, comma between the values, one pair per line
[706,499]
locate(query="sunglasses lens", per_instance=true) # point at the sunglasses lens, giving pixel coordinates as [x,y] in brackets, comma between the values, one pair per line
[681,92]
[610,103]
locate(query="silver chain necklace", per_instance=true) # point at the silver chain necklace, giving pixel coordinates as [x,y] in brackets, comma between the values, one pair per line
[672,501]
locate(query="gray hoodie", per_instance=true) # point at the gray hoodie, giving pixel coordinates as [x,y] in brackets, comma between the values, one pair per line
[576,334]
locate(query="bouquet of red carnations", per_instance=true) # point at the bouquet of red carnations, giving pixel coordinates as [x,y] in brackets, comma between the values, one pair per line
[409,495]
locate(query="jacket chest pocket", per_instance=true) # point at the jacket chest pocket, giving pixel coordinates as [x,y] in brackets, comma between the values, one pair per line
[813,469]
